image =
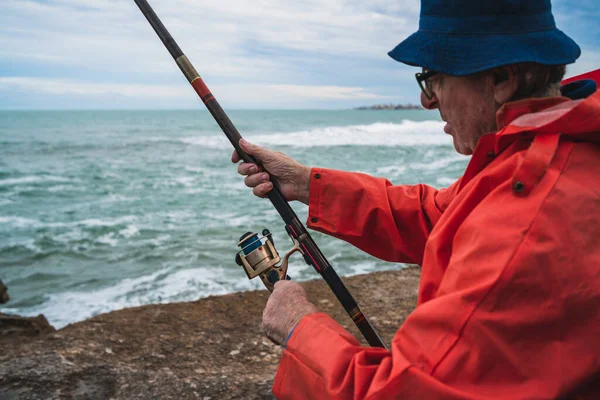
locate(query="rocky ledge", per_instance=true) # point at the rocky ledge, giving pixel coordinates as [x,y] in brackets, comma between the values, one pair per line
[212,348]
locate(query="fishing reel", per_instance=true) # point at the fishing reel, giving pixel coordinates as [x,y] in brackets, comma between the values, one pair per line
[259,257]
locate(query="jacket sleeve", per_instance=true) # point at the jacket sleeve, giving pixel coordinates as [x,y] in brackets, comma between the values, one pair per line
[386,221]
[324,361]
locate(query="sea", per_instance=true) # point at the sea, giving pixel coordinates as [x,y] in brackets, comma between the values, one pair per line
[102,210]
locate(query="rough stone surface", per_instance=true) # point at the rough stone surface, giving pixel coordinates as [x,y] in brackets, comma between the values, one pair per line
[16,327]
[3,293]
[209,349]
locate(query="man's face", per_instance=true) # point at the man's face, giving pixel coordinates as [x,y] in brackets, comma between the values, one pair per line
[467,106]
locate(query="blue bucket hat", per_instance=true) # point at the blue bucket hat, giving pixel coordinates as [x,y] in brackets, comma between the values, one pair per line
[462,37]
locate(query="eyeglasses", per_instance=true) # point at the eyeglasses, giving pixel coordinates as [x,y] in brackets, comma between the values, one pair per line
[424,77]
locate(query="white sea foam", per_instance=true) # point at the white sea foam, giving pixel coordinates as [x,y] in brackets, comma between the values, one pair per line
[108,239]
[32,179]
[96,222]
[231,219]
[66,188]
[187,181]
[235,186]
[212,142]
[390,170]
[156,241]
[20,222]
[207,171]
[197,169]
[27,243]
[439,163]
[406,133]
[177,215]
[115,198]
[70,236]
[445,181]
[196,190]
[129,232]
[164,286]
[362,268]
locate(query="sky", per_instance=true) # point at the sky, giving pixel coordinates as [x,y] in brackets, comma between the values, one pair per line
[252,54]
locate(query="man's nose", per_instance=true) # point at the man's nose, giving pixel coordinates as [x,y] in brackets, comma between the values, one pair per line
[430,104]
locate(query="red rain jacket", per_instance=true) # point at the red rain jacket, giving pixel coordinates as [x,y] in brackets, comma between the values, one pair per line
[509,299]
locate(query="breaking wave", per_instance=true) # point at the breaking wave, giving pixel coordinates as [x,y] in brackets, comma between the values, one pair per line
[406,133]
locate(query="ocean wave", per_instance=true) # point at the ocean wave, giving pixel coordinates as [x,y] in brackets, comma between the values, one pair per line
[116,198]
[445,181]
[108,239]
[66,188]
[129,232]
[164,286]
[390,170]
[439,164]
[20,222]
[406,133]
[27,246]
[33,179]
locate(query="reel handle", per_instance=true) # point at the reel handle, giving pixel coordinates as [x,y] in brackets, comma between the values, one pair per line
[273,277]
[261,260]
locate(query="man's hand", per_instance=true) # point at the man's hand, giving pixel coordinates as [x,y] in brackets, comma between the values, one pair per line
[293,177]
[286,307]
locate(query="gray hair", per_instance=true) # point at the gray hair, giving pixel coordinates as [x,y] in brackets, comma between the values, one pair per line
[537,80]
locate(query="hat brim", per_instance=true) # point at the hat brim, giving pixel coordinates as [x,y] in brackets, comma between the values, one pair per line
[461,55]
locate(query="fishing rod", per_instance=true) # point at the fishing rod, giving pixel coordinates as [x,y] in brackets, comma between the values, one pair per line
[258,258]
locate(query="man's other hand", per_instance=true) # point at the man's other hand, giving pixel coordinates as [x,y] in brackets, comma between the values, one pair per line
[286,307]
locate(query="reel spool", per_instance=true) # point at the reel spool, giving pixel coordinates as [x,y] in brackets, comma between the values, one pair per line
[259,257]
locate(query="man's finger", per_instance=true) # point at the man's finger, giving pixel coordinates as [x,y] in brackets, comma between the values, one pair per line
[282,283]
[256,179]
[247,169]
[235,157]
[263,189]
[247,146]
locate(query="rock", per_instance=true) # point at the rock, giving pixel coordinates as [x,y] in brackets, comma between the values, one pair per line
[13,325]
[209,349]
[3,293]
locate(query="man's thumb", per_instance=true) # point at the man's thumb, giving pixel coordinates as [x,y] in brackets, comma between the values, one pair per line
[259,153]
[247,146]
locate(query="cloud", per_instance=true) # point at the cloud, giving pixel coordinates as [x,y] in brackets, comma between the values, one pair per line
[589,61]
[328,49]
[183,95]
[323,92]
[67,87]
[225,35]
[289,50]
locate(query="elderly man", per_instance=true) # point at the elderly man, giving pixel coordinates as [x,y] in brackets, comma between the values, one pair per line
[509,299]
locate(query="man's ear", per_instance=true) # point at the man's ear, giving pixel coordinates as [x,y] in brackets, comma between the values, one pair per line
[506,83]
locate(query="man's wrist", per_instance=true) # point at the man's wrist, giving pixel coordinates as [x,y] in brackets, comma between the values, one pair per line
[290,334]
[304,195]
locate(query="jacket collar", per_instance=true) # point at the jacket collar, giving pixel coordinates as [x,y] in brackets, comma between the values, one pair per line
[513,110]
[578,119]
[575,119]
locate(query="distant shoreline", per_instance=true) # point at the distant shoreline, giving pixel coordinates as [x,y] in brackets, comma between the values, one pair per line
[390,107]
